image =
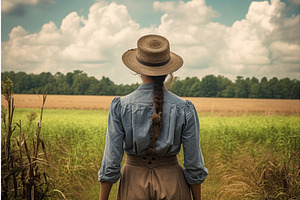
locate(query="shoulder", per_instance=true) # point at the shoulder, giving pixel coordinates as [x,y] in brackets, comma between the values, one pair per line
[115,104]
[174,99]
[115,101]
[185,104]
[127,99]
[189,104]
[190,110]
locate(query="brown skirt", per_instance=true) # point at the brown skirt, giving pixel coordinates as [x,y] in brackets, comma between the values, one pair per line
[152,178]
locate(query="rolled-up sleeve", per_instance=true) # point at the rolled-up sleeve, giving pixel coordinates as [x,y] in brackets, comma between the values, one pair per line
[194,170]
[113,152]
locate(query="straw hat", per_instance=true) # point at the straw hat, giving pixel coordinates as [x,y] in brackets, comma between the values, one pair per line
[152,57]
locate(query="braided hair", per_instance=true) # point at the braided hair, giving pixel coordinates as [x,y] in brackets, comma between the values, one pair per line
[158,98]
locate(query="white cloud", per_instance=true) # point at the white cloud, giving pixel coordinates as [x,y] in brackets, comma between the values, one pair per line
[284,52]
[261,42]
[176,12]
[93,45]
[265,43]
[190,31]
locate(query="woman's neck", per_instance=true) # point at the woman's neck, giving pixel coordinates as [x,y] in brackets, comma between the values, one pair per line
[146,79]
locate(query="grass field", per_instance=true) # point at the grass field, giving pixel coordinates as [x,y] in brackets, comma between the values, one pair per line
[251,153]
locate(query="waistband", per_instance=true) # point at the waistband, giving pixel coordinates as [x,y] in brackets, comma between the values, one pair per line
[151,161]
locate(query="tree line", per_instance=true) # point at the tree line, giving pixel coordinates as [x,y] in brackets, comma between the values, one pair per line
[79,83]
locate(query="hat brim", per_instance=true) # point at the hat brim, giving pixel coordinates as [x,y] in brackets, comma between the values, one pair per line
[129,59]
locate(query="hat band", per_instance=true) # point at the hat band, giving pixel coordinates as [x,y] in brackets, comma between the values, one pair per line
[153,64]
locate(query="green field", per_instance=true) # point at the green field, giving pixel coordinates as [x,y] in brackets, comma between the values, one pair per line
[249,157]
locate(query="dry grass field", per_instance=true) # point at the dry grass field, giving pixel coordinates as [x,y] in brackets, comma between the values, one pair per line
[219,106]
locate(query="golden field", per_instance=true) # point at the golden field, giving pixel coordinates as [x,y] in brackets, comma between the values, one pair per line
[221,106]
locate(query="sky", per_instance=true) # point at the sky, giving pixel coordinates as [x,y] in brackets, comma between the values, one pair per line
[229,38]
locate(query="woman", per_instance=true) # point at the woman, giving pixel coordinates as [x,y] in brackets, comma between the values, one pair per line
[150,124]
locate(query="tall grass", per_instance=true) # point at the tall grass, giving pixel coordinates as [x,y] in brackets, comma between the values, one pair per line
[76,141]
[252,157]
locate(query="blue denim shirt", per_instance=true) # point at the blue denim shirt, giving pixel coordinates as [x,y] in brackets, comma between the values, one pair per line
[130,127]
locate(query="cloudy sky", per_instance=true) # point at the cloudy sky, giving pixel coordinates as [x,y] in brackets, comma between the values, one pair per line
[229,38]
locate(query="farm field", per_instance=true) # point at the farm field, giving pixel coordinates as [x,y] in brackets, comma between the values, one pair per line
[251,153]
[221,106]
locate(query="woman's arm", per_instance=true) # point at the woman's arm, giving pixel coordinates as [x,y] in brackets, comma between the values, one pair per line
[196,191]
[109,172]
[105,188]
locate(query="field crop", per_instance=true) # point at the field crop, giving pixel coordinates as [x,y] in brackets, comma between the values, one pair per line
[215,106]
[248,157]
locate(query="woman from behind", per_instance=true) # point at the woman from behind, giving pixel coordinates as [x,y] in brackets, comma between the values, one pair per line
[150,125]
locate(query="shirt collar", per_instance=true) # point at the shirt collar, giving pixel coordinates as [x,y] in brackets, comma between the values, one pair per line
[146,86]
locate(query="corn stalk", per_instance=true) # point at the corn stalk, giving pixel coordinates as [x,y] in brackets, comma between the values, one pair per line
[8,175]
[21,161]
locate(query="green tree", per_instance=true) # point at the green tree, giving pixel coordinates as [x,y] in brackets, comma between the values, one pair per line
[295,91]
[285,85]
[209,86]
[69,78]
[81,83]
[191,87]
[229,92]
[265,88]
[223,83]
[274,86]
[255,90]
[61,87]
[78,82]
[241,88]
[177,86]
